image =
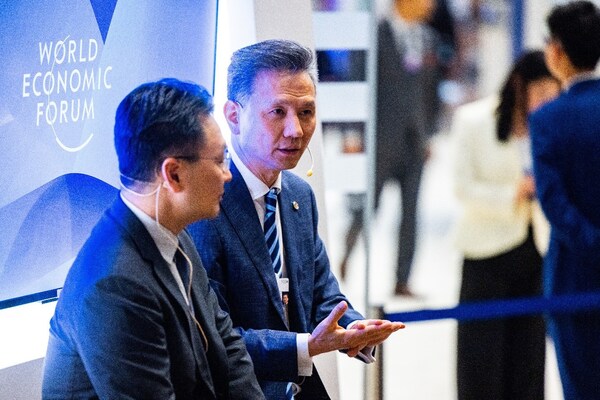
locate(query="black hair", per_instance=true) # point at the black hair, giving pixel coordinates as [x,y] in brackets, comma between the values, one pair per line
[576,26]
[530,67]
[158,120]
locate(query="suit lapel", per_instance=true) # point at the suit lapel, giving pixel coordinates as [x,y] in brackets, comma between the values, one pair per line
[148,251]
[396,49]
[238,207]
[210,372]
[293,212]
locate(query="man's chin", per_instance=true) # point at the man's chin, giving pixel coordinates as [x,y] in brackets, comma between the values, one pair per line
[290,163]
[215,213]
[210,214]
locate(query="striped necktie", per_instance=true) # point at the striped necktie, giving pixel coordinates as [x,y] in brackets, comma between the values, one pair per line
[272,239]
[270,229]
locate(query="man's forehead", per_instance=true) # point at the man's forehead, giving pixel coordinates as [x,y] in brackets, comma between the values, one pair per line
[276,78]
[284,88]
[291,100]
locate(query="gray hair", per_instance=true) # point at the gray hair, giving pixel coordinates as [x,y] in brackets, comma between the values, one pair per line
[268,55]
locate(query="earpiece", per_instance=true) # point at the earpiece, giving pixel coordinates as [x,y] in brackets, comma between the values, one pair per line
[312,162]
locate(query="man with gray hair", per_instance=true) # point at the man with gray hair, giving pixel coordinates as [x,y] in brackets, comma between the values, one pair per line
[263,253]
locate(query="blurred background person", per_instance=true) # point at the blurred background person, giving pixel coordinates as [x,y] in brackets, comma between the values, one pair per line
[443,23]
[566,146]
[408,72]
[497,235]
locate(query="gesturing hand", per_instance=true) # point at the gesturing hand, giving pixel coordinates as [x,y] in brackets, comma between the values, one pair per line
[380,331]
[330,336]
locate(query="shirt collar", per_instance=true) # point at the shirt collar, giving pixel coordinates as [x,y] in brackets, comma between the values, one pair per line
[584,76]
[165,240]
[256,187]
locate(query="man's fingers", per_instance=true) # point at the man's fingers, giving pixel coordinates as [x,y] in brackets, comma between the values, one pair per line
[337,313]
[353,352]
[372,334]
[378,323]
[373,321]
[398,326]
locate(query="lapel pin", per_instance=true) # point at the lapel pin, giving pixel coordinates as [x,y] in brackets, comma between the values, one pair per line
[295,205]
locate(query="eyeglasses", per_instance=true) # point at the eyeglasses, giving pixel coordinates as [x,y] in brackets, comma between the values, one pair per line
[224,162]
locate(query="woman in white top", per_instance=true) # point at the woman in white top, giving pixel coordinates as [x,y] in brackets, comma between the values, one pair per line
[497,234]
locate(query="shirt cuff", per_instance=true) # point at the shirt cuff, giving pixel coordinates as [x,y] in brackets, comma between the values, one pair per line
[351,324]
[305,365]
[366,355]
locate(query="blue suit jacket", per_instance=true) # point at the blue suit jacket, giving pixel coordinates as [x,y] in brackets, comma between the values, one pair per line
[566,154]
[121,328]
[233,251]
[566,159]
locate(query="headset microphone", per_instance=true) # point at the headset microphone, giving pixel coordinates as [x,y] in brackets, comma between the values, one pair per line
[312,162]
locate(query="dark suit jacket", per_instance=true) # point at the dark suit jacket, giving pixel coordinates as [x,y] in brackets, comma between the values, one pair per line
[403,119]
[565,137]
[121,329]
[233,251]
[566,152]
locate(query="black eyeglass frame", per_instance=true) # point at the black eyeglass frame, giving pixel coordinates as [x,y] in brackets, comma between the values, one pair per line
[224,163]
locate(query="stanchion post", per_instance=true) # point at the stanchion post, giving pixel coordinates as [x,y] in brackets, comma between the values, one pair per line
[374,373]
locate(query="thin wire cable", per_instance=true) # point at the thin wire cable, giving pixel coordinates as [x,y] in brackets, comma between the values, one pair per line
[188,289]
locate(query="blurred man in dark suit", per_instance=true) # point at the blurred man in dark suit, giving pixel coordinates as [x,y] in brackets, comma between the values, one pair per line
[565,136]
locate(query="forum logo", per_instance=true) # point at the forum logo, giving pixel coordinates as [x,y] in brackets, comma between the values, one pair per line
[64,87]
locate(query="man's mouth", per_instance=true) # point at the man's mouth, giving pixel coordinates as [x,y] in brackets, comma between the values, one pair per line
[289,150]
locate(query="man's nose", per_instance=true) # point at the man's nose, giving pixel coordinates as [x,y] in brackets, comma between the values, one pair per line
[293,128]
[228,175]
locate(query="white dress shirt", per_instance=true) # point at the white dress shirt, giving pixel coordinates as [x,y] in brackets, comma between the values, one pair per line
[258,190]
[164,239]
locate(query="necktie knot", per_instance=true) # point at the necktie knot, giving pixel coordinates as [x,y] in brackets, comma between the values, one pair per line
[271,200]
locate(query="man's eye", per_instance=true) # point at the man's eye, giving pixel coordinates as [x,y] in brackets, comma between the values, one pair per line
[278,111]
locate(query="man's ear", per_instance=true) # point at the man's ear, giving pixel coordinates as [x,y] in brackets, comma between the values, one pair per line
[231,110]
[170,172]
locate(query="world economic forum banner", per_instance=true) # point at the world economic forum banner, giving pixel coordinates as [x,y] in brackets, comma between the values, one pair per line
[66,65]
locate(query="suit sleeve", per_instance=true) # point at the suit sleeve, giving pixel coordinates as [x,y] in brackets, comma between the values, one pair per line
[267,347]
[242,380]
[550,157]
[121,317]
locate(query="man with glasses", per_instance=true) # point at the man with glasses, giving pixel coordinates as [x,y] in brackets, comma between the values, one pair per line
[136,318]
[263,253]
[565,138]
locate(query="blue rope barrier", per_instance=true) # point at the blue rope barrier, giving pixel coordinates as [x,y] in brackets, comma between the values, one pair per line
[504,308]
